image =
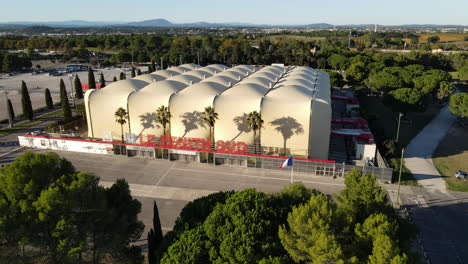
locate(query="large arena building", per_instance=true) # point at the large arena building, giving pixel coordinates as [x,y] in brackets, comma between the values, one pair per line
[294,103]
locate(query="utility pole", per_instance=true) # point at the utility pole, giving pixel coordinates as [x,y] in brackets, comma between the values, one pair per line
[398,129]
[399,177]
[349,40]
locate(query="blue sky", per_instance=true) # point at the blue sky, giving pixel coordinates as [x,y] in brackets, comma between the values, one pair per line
[389,12]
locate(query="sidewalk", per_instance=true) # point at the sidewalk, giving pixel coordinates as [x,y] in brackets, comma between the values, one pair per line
[418,155]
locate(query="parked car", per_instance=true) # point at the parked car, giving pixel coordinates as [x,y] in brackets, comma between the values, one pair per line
[461,175]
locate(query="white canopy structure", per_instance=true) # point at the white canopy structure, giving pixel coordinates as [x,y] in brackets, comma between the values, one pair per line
[294,103]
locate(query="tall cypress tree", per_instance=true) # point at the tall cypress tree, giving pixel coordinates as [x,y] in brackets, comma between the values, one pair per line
[115,79]
[67,114]
[157,226]
[78,88]
[153,66]
[91,80]
[11,113]
[133,72]
[122,76]
[138,72]
[151,247]
[102,81]
[26,102]
[48,99]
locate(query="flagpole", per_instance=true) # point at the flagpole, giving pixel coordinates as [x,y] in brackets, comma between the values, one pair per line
[292,171]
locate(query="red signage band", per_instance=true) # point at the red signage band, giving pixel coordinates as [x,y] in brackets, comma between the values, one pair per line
[195,144]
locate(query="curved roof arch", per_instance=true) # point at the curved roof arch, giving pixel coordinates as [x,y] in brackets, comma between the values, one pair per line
[219,67]
[186,79]
[267,75]
[192,66]
[104,102]
[234,73]
[250,68]
[257,80]
[297,81]
[204,88]
[166,73]
[179,69]
[224,80]
[142,106]
[273,70]
[149,77]
[247,89]
[200,73]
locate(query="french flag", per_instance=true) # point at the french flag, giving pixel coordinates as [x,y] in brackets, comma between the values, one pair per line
[287,163]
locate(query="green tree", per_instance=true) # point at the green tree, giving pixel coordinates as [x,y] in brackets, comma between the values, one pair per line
[336,79]
[356,73]
[338,62]
[163,116]
[385,251]
[310,234]
[102,81]
[121,117]
[463,73]
[210,117]
[255,122]
[433,39]
[114,79]
[133,73]
[242,230]
[48,99]
[10,110]
[138,72]
[91,80]
[405,100]
[445,90]
[361,197]
[383,81]
[78,88]
[122,76]
[458,104]
[67,113]
[158,235]
[426,84]
[26,102]
[153,66]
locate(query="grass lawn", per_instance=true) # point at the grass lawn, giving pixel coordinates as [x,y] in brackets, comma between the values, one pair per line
[452,155]
[27,124]
[384,123]
[450,37]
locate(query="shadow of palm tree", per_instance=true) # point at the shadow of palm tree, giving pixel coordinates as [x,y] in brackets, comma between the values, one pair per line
[287,126]
[148,120]
[242,125]
[192,120]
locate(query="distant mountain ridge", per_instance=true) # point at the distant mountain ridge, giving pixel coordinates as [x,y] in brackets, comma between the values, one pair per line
[160,22]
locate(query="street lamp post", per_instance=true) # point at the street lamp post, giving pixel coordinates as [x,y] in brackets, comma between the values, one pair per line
[71,89]
[398,129]
[399,177]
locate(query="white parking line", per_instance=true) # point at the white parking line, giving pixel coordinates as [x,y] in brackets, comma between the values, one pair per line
[4,154]
[258,177]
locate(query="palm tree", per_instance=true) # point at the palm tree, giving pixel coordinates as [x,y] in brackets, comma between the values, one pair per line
[163,116]
[121,117]
[255,122]
[210,116]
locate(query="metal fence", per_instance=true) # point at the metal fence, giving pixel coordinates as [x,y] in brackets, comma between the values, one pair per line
[303,167]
